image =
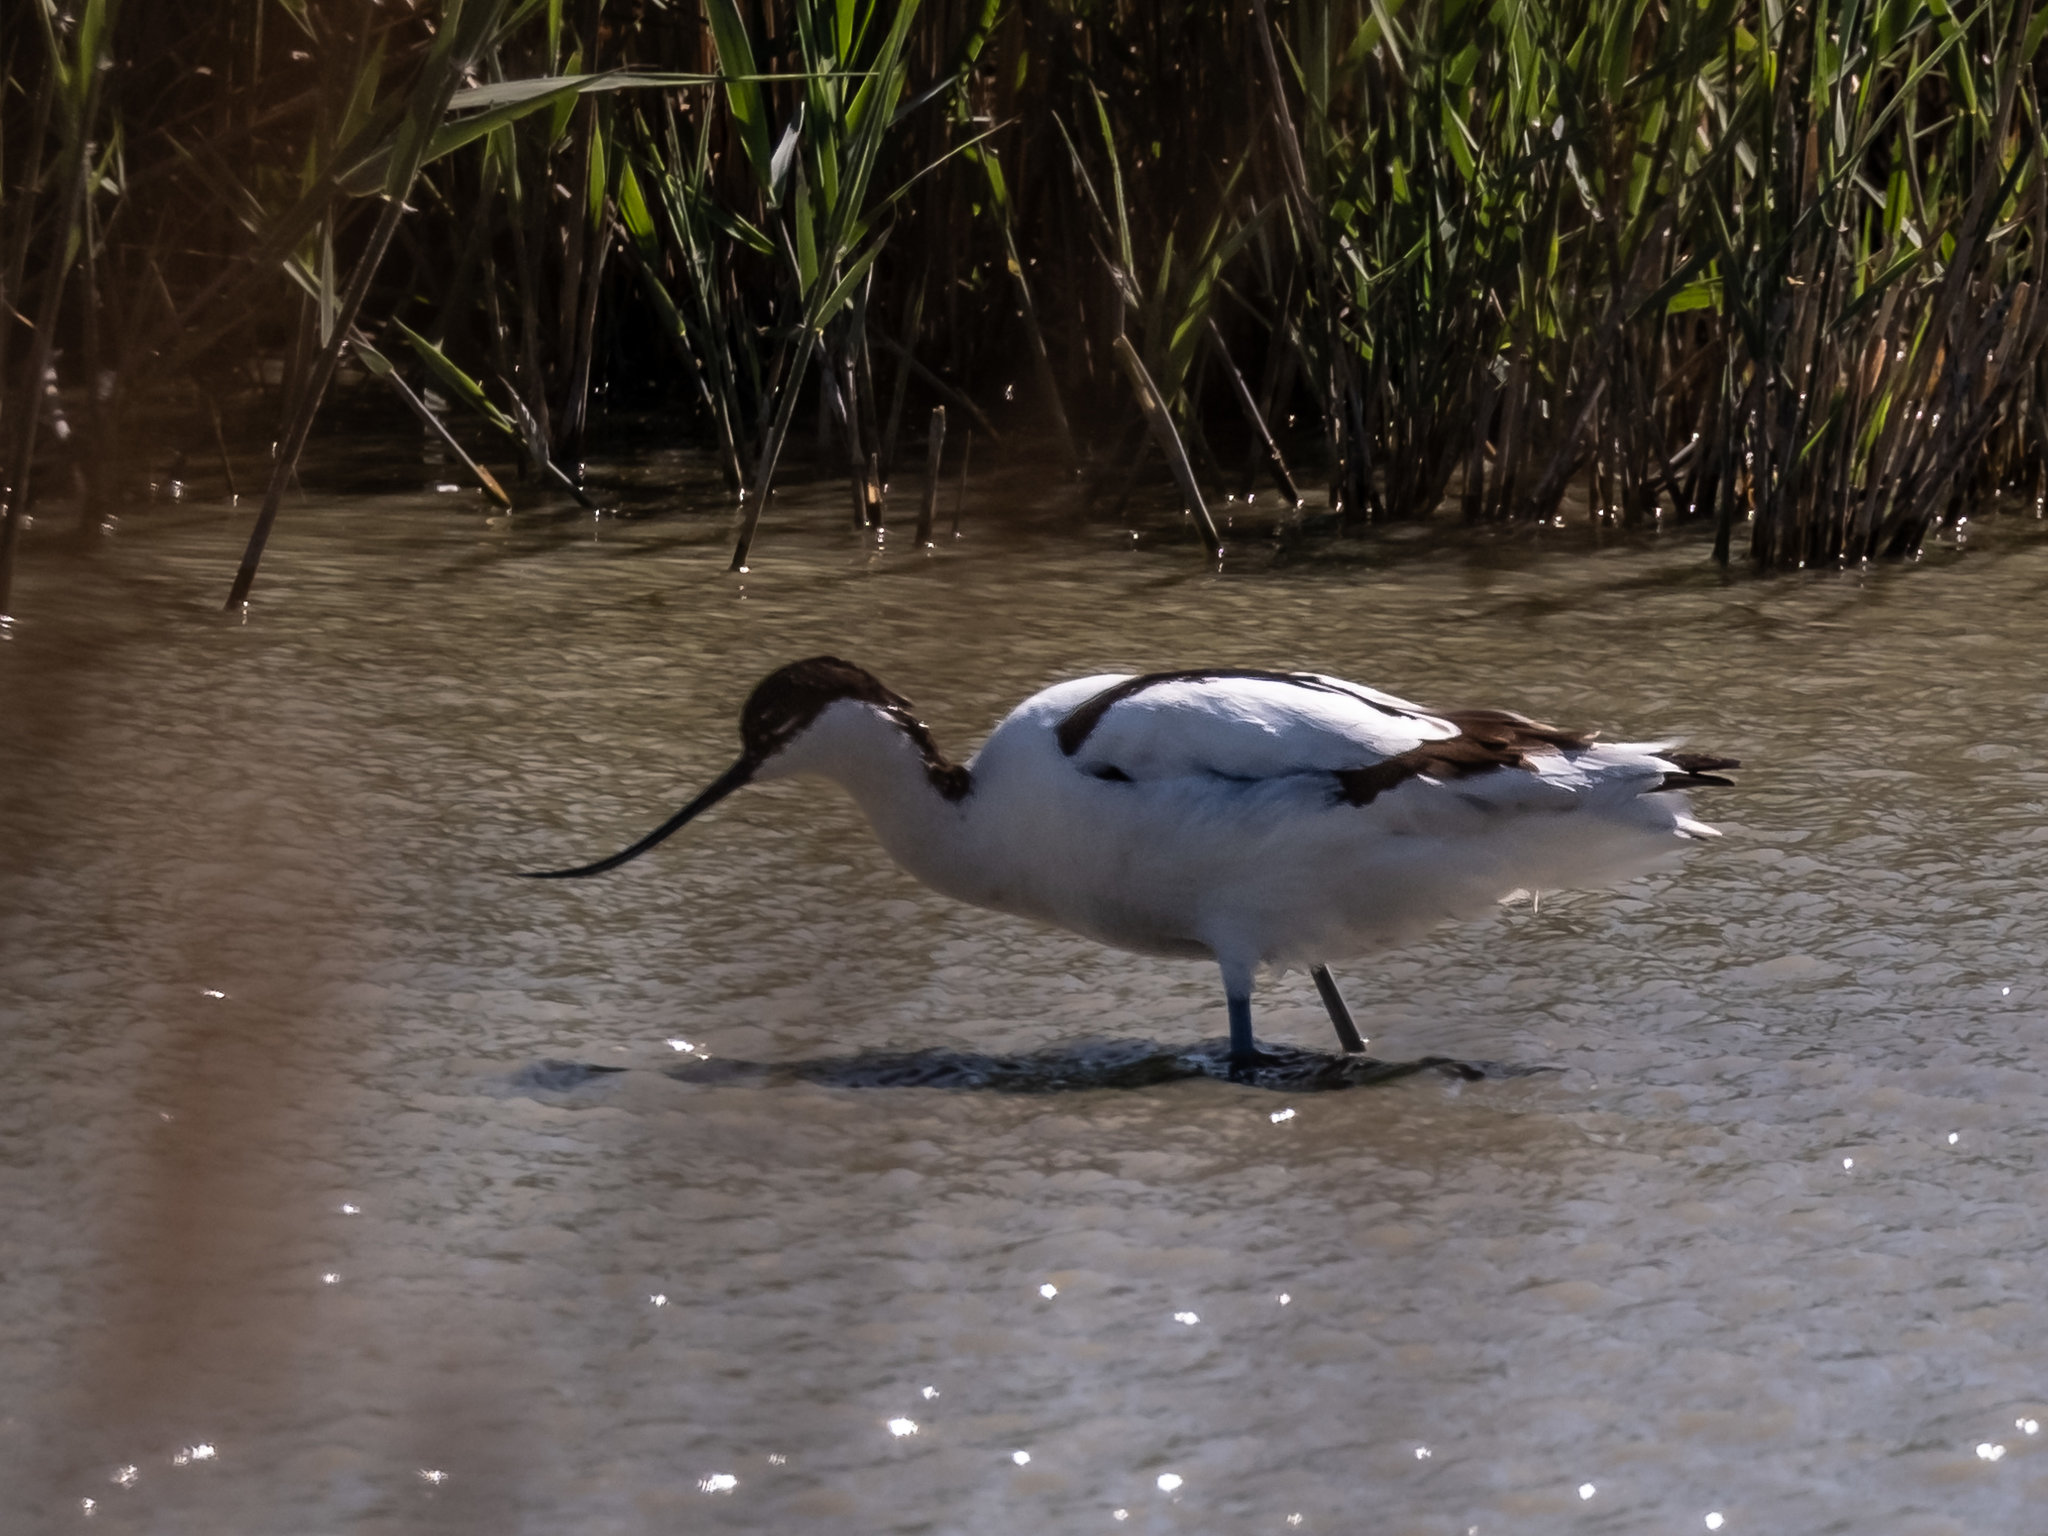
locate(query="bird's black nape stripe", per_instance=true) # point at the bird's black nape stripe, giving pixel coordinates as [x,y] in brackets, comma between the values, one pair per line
[1076,728]
[739,774]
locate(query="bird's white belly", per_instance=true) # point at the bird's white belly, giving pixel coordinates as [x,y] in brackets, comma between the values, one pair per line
[1188,869]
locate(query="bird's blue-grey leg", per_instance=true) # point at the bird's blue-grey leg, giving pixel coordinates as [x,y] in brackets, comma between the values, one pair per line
[1340,1016]
[1237,992]
[1244,1052]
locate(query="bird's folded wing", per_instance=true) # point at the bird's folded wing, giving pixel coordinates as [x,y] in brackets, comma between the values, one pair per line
[1242,726]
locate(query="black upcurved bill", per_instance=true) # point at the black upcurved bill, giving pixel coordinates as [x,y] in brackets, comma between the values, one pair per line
[739,774]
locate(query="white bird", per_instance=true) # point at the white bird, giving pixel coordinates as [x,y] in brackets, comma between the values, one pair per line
[1253,818]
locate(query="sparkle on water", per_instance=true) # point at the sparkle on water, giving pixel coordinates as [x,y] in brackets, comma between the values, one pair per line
[314,809]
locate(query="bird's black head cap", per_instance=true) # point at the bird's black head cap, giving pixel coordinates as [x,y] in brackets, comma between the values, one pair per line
[786,701]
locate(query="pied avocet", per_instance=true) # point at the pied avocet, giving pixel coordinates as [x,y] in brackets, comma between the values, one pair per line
[1253,818]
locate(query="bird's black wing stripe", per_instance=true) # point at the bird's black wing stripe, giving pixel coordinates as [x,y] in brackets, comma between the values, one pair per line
[1487,739]
[1696,770]
[1080,723]
[1691,781]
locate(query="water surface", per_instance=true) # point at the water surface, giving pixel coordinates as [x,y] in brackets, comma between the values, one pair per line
[297,1213]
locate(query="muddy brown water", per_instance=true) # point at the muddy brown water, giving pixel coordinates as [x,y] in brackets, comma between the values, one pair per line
[307,1227]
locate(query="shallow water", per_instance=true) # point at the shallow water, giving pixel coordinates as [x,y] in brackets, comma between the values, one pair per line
[310,1191]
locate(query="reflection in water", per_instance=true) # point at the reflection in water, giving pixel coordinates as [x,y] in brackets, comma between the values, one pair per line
[553,1076]
[1084,1065]
[618,1204]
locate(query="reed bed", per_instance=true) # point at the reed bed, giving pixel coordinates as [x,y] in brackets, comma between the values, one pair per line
[1766,266]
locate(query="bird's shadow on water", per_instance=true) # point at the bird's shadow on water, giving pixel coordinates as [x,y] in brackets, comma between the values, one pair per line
[1086,1065]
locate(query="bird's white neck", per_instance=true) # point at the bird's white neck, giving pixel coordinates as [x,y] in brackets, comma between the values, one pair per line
[890,777]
